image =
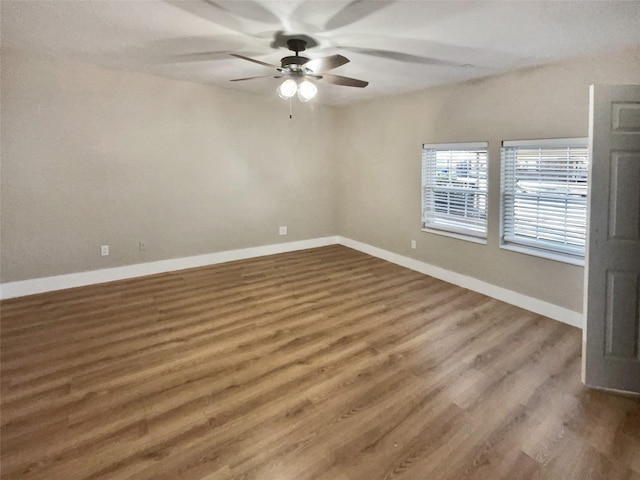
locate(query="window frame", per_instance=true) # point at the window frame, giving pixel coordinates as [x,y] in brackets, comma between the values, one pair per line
[459,231]
[534,247]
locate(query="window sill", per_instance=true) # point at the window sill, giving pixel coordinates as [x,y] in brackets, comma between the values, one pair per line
[558,257]
[459,236]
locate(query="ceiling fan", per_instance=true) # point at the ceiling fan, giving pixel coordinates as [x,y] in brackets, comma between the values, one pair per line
[300,70]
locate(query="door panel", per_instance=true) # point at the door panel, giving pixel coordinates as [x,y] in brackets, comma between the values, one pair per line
[621,316]
[624,209]
[612,266]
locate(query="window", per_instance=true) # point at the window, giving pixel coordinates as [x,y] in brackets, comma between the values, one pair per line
[544,197]
[454,189]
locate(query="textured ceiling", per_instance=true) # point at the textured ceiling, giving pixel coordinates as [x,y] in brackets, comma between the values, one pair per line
[398,46]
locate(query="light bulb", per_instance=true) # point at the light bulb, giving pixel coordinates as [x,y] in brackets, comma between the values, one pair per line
[287,89]
[306,91]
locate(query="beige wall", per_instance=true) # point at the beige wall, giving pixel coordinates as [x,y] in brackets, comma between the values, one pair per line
[93,156]
[380,148]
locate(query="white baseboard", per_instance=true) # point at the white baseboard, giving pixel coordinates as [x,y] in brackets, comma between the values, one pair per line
[81,279]
[536,305]
[61,282]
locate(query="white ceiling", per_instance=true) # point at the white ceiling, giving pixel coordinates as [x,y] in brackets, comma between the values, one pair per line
[395,45]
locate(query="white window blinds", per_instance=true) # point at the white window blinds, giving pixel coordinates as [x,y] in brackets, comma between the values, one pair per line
[544,195]
[454,188]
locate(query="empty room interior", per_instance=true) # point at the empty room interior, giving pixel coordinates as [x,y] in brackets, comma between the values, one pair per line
[329,240]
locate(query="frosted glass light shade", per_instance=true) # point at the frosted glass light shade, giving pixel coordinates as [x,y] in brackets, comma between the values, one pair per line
[287,89]
[306,91]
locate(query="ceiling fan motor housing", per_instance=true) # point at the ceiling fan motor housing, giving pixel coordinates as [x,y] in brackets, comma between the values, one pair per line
[294,62]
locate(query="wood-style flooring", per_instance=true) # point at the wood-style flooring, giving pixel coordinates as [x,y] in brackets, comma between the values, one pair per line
[319,364]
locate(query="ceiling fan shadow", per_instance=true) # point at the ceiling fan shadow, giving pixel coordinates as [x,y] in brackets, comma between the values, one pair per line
[355,11]
[209,12]
[426,52]
[248,9]
[185,49]
[280,40]
[229,14]
[400,56]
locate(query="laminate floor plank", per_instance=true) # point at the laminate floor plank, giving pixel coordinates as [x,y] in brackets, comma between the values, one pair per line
[322,364]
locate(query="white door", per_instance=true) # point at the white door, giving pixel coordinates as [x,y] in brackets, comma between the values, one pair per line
[612,292]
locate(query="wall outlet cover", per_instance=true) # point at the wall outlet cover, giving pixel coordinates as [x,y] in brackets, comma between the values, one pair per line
[283,230]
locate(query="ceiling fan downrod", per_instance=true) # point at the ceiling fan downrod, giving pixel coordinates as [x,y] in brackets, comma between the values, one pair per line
[296,45]
[295,62]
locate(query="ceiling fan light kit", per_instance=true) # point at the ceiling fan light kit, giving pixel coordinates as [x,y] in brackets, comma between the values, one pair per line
[301,70]
[287,89]
[305,90]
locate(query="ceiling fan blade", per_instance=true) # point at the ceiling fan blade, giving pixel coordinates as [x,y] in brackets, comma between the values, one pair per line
[196,57]
[346,81]
[318,65]
[401,57]
[251,78]
[259,62]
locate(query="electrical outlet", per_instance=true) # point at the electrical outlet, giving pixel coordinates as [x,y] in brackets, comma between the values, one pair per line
[283,230]
[413,244]
[104,250]
[142,246]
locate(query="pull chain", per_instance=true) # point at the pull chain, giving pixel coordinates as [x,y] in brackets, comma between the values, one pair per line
[290,109]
